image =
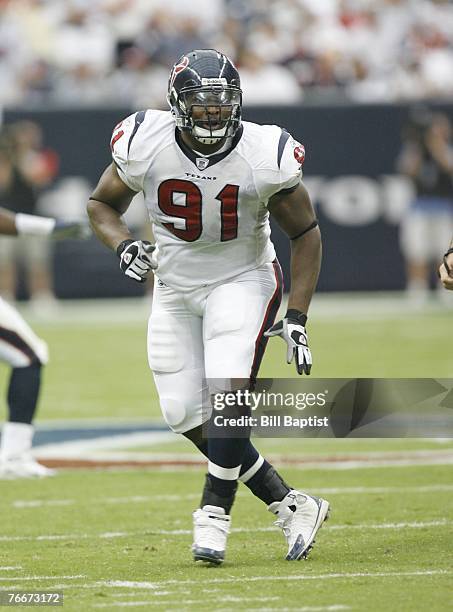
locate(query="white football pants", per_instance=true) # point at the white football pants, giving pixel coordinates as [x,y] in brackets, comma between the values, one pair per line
[214,332]
[19,345]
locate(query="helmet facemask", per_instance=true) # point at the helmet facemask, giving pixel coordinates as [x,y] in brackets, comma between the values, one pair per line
[210,114]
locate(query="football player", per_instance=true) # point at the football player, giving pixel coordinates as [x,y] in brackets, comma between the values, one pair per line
[446,268]
[21,348]
[210,181]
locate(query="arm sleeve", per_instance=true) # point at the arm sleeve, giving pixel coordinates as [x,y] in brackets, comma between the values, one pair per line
[125,147]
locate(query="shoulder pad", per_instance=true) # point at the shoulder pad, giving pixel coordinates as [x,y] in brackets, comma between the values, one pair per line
[135,141]
[276,159]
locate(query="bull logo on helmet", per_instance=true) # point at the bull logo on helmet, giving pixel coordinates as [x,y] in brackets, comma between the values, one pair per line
[178,68]
[299,154]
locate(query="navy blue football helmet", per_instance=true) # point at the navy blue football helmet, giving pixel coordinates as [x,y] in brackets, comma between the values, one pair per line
[205,96]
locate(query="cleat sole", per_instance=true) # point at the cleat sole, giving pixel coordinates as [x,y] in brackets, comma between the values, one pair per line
[208,556]
[208,560]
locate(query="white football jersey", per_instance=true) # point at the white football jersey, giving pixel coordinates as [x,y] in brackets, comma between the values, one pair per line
[209,214]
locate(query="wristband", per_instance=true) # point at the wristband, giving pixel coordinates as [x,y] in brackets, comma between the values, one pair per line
[296,315]
[33,225]
[123,245]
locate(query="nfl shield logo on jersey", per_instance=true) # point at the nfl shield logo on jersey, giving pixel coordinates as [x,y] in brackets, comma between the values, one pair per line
[202,163]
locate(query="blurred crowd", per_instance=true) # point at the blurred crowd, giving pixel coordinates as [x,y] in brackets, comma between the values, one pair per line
[118,52]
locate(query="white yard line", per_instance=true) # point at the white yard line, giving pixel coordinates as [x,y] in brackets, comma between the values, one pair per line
[336,576]
[355,490]
[133,585]
[30,578]
[143,602]
[358,465]
[184,532]
[364,526]
[332,608]
[155,593]
[178,604]
[38,503]
[138,499]
[10,568]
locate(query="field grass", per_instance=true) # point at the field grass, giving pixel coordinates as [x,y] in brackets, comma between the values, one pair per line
[118,538]
[121,538]
[99,368]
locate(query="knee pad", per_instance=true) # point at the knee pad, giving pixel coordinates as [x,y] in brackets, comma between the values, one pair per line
[174,411]
[183,406]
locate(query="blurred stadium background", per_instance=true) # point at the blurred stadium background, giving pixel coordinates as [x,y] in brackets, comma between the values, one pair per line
[344,77]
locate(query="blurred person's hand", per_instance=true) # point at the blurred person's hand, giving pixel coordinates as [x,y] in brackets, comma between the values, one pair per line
[446,270]
[75,230]
[437,142]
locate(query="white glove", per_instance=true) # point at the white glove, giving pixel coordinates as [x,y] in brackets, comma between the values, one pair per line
[292,330]
[136,258]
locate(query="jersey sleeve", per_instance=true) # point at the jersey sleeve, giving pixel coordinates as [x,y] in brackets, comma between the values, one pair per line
[285,172]
[127,153]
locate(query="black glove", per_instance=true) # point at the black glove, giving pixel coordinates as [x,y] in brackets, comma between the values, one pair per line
[136,258]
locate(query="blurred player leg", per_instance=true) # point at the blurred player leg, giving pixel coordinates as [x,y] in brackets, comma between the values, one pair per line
[26,354]
[8,267]
[37,254]
[415,244]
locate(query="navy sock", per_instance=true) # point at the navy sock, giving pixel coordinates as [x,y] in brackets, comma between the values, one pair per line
[219,492]
[226,446]
[265,483]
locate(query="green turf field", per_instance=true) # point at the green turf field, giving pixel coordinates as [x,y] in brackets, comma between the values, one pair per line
[120,538]
[99,368]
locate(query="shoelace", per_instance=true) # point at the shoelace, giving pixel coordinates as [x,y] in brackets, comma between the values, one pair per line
[282,524]
[285,522]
